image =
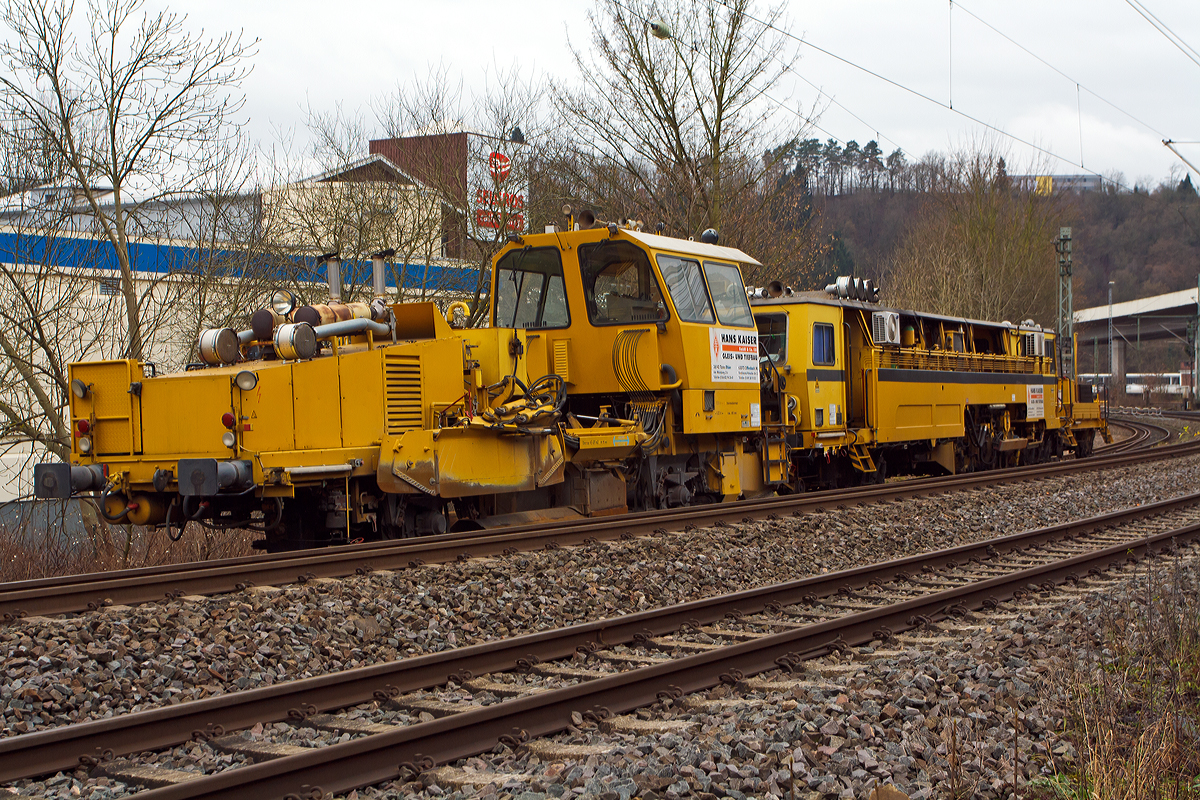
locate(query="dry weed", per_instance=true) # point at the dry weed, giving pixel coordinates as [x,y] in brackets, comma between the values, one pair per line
[30,548]
[1132,704]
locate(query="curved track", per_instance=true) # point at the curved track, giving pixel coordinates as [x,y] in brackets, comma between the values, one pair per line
[1144,434]
[78,593]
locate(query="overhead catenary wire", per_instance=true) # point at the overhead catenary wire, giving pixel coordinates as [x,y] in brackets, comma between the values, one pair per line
[910,90]
[1166,31]
[950,56]
[1079,86]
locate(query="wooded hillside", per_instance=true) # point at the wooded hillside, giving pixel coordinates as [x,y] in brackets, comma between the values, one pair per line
[877,215]
[1148,243]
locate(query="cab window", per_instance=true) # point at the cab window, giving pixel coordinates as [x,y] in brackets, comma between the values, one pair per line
[529,290]
[772,336]
[728,294]
[822,344]
[685,284]
[619,284]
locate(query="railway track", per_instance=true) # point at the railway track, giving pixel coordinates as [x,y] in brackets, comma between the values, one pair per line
[1144,434]
[514,690]
[80,593]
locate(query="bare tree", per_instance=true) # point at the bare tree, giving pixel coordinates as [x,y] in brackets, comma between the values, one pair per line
[674,130]
[339,198]
[447,141]
[439,177]
[132,113]
[981,247]
[49,316]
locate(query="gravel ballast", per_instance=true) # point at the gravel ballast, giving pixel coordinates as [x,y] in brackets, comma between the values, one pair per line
[115,660]
[962,710]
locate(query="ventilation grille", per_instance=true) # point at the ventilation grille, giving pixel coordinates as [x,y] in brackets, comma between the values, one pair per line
[402,387]
[562,367]
[1034,344]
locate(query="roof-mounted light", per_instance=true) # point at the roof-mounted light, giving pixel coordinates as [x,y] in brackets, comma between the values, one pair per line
[283,302]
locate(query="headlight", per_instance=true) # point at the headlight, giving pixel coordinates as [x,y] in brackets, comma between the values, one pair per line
[218,346]
[229,439]
[79,388]
[283,302]
[85,444]
[246,380]
[295,341]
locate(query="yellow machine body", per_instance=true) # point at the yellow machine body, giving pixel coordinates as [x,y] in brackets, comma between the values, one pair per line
[876,390]
[616,370]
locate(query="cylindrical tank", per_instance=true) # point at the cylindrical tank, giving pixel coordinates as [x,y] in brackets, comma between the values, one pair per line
[115,505]
[319,314]
[908,336]
[295,341]
[264,322]
[147,509]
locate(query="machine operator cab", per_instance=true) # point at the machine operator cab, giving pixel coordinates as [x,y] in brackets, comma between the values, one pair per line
[638,325]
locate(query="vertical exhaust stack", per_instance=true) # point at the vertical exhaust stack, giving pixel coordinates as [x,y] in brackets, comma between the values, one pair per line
[379,270]
[333,270]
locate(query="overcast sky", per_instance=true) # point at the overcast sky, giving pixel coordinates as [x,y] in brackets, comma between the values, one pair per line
[321,53]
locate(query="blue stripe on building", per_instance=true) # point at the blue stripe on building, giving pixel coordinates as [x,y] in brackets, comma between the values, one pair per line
[77,252]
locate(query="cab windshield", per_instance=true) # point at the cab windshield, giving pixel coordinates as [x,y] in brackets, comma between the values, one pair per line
[728,294]
[529,290]
[685,284]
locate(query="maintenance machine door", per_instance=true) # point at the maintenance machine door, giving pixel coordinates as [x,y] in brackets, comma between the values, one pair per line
[826,374]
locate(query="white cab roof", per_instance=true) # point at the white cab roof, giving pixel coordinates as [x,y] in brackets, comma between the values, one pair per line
[692,248]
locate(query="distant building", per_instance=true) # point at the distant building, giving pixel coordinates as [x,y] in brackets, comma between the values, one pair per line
[1057,184]
[483,178]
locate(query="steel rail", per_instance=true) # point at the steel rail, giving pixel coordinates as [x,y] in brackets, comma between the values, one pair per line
[129,587]
[1146,434]
[60,748]
[386,756]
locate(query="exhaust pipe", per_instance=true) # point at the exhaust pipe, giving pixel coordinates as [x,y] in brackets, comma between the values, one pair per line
[333,270]
[378,270]
[347,327]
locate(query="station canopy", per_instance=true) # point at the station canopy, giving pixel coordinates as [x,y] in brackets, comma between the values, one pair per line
[1164,316]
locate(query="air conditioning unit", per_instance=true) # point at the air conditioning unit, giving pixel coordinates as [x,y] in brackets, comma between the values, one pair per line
[1035,344]
[885,327]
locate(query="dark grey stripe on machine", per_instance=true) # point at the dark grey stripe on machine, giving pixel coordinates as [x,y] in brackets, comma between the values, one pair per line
[827,374]
[942,376]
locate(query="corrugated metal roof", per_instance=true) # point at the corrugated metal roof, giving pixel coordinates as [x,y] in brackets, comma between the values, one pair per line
[1145,305]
